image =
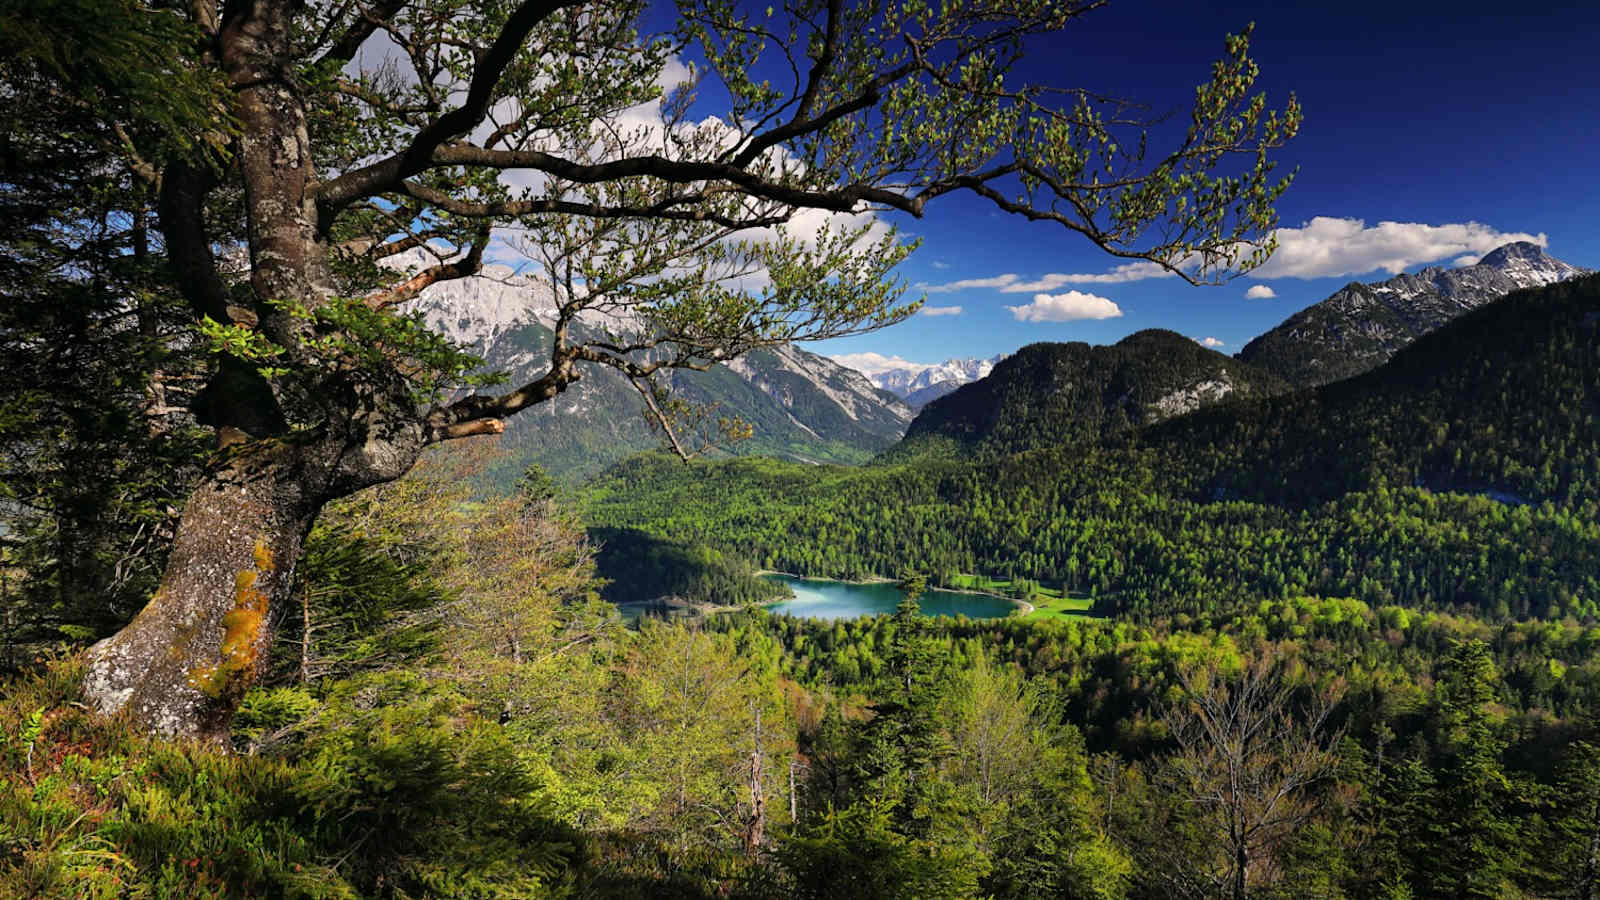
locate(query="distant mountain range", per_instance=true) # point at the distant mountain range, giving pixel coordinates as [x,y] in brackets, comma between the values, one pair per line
[1049,394]
[1502,401]
[1362,325]
[1499,399]
[807,407]
[801,406]
[920,385]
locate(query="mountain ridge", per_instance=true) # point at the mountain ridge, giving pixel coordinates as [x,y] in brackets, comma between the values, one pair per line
[801,406]
[1465,473]
[1362,325]
[1048,393]
[918,386]
[1501,401]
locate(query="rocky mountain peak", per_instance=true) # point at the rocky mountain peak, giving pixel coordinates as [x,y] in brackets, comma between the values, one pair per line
[920,384]
[799,405]
[1501,256]
[477,311]
[1528,265]
[1361,325]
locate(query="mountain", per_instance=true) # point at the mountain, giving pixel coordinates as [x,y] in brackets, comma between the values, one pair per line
[801,406]
[1502,401]
[1048,394]
[920,385]
[1462,474]
[1362,325]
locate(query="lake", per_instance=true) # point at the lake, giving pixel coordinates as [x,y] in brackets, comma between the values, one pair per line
[818,598]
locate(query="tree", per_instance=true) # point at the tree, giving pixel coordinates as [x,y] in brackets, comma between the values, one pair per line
[1248,765]
[1472,812]
[89,367]
[1576,825]
[1034,812]
[707,735]
[351,135]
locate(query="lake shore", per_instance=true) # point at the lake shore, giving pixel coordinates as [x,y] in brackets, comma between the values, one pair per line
[1026,607]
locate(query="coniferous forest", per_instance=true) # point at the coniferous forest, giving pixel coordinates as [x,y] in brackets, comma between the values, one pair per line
[275,623]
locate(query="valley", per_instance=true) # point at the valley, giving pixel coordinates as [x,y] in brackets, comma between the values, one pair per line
[1381,488]
[799,405]
[975,450]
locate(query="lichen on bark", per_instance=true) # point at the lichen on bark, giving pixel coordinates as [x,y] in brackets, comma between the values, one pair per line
[241,647]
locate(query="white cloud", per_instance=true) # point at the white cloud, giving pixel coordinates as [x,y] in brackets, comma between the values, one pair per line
[966,284]
[1326,247]
[1471,259]
[1211,342]
[1012,283]
[941,310]
[940,264]
[675,73]
[875,363]
[1065,308]
[1134,271]
[1260,292]
[644,129]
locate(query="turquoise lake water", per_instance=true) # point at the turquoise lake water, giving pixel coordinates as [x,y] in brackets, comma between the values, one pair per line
[817,598]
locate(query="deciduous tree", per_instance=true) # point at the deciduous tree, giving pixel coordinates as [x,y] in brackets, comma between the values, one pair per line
[1248,766]
[349,134]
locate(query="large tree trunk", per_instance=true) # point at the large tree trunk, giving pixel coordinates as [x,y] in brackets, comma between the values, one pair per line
[179,667]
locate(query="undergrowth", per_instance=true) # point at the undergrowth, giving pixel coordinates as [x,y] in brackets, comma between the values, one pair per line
[409,794]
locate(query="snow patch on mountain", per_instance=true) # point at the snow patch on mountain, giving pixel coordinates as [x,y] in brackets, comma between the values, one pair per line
[1361,326]
[476,311]
[851,391]
[799,404]
[918,383]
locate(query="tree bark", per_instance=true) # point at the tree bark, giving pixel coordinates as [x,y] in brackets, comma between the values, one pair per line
[179,668]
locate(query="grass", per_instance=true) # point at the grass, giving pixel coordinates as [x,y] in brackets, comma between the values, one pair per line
[1060,607]
[428,792]
[1048,603]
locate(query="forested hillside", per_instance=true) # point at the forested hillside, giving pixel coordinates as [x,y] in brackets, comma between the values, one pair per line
[1046,395]
[798,405]
[292,292]
[452,699]
[1460,475]
[453,694]
[1505,399]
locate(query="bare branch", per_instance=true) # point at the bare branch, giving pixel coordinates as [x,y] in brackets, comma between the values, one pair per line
[367,23]
[485,78]
[647,390]
[411,287]
[665,209]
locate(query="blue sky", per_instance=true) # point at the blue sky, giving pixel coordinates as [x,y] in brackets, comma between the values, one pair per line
[1463,122]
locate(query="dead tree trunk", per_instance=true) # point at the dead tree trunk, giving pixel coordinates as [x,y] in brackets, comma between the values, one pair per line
[755,833]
